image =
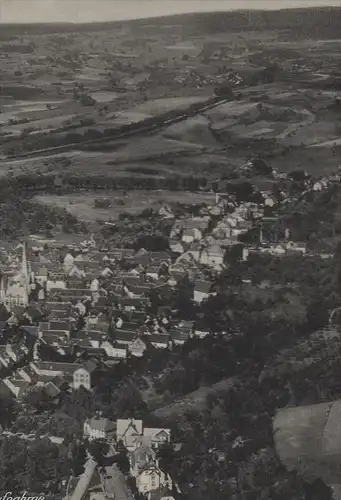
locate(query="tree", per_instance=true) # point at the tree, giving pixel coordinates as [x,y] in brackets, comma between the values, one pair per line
[317,313]
[78,455]
[152,242]
[98,450]
[318,490]
[8,410]
[261,167]
[183,297]
[122,462]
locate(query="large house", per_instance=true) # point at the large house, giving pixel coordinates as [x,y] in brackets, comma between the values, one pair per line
[132,433]
[78,375]
[212,256]
[128,431]
[152,478]
[140,458]
[156,437]
[99,428]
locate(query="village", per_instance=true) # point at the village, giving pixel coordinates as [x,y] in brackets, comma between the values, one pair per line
[79,309]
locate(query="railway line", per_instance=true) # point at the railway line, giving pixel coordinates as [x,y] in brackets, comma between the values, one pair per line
[148,126]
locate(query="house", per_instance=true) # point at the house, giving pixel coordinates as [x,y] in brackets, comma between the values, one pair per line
[125,337]
[222,231]
[152,272]
[94,285]
[116,351]
[55,284]
[157,437]
[52,389]
[17,386]
[175,276]
[192,255]
[273,249]
[152,478]
[191,234]
[129,431]
[82,377]
[212,256]
[78,375]
[53,368]
[296,247]
[99,428]
[137,348]
[158,340]
[140,458]
[179,336]
[202,290]
[68,262]
[177,246]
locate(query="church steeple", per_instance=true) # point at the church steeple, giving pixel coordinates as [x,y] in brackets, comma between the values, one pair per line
[25,275]
[24,265]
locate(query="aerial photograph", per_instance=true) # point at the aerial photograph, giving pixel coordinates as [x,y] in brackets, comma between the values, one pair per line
[170,250]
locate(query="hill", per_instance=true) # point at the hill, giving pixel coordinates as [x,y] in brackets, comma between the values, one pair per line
[311,22]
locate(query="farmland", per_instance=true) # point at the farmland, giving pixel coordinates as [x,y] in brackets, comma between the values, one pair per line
[82,205]
[285,106]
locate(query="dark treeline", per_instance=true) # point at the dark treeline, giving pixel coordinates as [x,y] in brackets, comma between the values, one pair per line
[54,183]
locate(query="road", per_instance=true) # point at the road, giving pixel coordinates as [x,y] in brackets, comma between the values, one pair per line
[136,130]
[114,482]
[84,480]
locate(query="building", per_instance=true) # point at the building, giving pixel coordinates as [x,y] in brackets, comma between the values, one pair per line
[15,290]
[152,478]
[157,437]
[140,458]
[82,377]
[129,431]
[191,234]
[137,348]
[212,256]
[99,428]
[202,290]
[77,375]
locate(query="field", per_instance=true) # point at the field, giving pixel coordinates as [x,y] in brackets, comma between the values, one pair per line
[195,401]
[94,79]
[82,204]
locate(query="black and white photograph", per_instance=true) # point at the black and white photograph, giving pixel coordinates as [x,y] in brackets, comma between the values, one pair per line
[170,250]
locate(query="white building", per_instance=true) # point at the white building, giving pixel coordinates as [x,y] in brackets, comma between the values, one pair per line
[15,290]
[99,428]
[151,479]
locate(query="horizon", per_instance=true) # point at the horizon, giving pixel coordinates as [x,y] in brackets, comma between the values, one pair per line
[93,11]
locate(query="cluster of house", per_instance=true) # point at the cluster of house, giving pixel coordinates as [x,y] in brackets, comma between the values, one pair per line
[88,304]
[205,240]
[142,444]
[89,301]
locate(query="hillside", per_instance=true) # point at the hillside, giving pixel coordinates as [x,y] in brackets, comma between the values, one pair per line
[311,22]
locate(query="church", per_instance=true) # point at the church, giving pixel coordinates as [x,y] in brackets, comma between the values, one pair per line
[15,290]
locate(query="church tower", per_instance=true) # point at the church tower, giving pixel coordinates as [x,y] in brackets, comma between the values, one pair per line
[25,273]
[15,290]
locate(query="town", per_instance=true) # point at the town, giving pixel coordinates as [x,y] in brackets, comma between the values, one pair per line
[72,312]
[170,257]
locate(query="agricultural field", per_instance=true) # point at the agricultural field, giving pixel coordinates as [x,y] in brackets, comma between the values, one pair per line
[82,205]
[89,81]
